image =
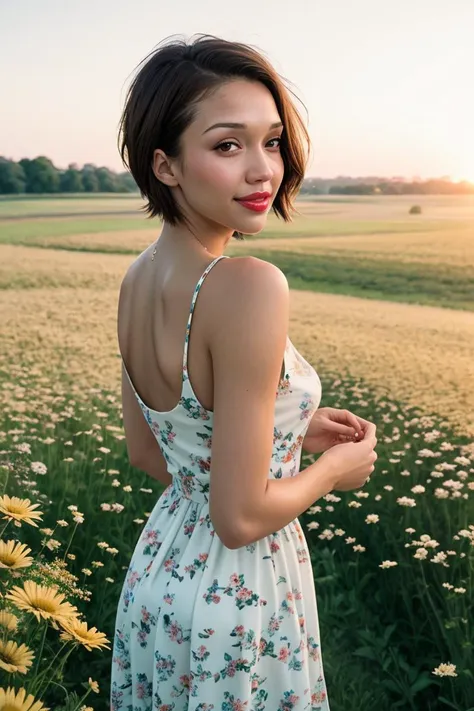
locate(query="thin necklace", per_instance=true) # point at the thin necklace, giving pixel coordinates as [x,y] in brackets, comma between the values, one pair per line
[203,245]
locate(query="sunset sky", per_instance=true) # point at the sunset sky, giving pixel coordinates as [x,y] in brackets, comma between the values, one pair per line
[387,84]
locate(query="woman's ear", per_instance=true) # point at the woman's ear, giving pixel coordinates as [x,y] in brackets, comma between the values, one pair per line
[162,169]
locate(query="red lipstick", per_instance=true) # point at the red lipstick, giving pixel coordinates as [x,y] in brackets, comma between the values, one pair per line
[258,202]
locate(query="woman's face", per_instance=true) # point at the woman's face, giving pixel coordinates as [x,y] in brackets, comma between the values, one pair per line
[220,164]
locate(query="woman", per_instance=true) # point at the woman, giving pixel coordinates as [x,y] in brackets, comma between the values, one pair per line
[218,608]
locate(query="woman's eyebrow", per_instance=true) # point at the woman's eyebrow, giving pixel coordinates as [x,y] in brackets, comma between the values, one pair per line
[278,124]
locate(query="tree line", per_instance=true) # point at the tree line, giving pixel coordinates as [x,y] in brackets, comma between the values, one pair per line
[39,175]
[383,186]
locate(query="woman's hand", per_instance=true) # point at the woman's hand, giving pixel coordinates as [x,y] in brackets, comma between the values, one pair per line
[330,426]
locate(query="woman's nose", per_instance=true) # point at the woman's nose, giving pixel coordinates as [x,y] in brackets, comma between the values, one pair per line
[261,169]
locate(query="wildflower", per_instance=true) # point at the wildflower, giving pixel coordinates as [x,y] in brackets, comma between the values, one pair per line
[115,482]
[39,468]
[53,544]
[14,555]
[441,493]
[418,489]
[110,580]
[42,601]
[440,557]
[77,631]
[118,508]
[358,549]
[445,670]
[388,564]
[406,501]
[94,685]
[47,531]
[147,491]
[421,553]
[61,522]
[448,586]
[104,450]
[350,539]
[71,507]
[12,700]
[127,488]
[461,591]
[112,551]
[87,571]
[354,504]
[105,507]
[103,544]
[14,657]
[21,510]
[97,564]
[339,532]
[410,530]
[141,520]
[372,518]
[8,621]
[78,518]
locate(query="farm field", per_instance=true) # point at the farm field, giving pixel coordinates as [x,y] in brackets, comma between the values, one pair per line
[382,304]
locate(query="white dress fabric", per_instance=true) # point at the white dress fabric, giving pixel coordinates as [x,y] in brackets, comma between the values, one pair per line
[199,626]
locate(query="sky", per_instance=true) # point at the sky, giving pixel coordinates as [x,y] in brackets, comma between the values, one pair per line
[386,84]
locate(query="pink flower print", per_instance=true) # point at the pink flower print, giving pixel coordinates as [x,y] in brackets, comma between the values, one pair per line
[262,645]
[319,697]
[234,579]
[150,537]
[231,668]
[289,595]
[203,557]
[155,428]
[243,594]
[302,622]
[239,630]
[132,578]
[274,546]
[238,705]
[283,654]
[175,632]
[297,594]
[215,598]
[184,679]
[168,598]
[201,652]
[274,625]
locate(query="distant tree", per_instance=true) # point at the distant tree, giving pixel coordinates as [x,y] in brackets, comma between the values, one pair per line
[107,180]
[71,180]
[90,180]
[41,175]
[12,177]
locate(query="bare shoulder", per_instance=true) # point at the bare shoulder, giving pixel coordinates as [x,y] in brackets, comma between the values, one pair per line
[243,285]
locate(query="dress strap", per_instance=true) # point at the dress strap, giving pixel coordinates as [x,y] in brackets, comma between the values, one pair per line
[193,303]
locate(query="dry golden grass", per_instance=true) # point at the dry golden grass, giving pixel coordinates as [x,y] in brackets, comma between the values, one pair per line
[443,247]
[29,267]
[422,355]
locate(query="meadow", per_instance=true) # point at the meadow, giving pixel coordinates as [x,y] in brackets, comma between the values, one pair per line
[382,305]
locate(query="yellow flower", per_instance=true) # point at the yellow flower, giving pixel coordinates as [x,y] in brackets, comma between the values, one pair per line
[94,685]
[8,621]
[14,555]
[76,631]
[10,700]
[42,601]
[15,658]
[19,510]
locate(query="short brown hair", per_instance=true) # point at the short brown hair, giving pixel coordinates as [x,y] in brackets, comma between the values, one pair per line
[161,103]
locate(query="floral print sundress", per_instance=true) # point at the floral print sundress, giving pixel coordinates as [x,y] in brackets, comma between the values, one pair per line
[199,626]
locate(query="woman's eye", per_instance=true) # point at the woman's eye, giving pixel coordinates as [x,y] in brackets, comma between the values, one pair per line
[232,143]
[226,143]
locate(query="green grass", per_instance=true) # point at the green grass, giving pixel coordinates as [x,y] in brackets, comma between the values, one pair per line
[439,285]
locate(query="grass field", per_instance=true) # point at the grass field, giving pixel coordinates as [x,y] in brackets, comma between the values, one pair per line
[382,304]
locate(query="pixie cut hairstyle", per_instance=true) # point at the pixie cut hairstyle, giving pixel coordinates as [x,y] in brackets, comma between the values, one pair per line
[162,102]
